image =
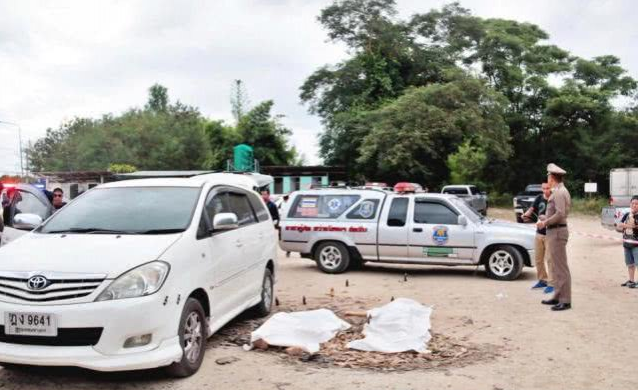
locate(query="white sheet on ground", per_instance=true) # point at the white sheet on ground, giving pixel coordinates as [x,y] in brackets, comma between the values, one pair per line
[304,329]
[401,325]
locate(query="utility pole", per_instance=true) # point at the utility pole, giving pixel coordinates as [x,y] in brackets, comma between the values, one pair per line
[19,140]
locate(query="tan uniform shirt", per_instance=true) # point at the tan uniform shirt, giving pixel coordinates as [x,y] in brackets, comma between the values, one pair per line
[558,206]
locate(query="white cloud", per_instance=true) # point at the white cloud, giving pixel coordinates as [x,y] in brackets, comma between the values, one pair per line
[85,58]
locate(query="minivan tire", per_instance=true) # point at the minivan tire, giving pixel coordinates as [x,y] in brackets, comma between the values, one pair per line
[264,307]
[332,257]
[192,325]
[504,262]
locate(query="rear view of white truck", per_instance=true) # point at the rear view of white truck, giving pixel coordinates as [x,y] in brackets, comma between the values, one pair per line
[623,184]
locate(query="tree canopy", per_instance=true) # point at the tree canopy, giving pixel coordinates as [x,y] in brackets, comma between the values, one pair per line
[414,95]
[162,136]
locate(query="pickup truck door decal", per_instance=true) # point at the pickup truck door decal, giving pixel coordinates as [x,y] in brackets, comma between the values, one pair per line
[435,236]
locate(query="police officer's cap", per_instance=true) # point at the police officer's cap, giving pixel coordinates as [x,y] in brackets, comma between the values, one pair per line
[555,170]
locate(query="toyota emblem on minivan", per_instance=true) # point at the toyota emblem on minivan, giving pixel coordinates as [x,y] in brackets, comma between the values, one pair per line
[37,282]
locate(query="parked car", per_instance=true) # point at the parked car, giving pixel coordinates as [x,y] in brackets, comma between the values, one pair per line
[623,184]
[137,274]
[341,229]
[524,200]
[470,194]
[24,206]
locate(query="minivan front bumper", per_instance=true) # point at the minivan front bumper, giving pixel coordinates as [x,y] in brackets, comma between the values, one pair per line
[118,321]
[166,353]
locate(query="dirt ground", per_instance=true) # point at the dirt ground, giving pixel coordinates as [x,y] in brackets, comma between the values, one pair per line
[496,335]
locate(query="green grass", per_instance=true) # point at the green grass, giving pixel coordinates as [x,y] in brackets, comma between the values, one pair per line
[589,206]
[500,200]
[586,206]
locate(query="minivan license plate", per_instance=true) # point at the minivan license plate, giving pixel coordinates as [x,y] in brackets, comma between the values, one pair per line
[30,324]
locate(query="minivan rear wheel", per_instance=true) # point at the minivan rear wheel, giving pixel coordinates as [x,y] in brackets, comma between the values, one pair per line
[193,332]
[332,257]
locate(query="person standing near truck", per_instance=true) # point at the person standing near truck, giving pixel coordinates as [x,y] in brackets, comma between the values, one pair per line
[629,227]
[558,207]
[538,208]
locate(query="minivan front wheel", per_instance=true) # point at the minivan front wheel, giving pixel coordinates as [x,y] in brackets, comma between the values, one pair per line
[332,257]
[193,333]
[263,308]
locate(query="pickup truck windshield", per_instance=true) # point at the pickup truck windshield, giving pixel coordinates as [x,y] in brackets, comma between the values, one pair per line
[466,210]
[127,210]
[455,191]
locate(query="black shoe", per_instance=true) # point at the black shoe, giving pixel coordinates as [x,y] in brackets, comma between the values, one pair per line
[550,302]
[562,306]
[632,285]
[629,284]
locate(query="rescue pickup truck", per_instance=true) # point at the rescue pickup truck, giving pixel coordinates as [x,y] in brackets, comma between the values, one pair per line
[345,228]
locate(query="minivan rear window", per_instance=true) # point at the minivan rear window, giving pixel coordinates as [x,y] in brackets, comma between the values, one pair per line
[321,206]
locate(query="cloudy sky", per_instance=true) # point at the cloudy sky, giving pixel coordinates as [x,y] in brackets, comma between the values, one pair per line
[61,59]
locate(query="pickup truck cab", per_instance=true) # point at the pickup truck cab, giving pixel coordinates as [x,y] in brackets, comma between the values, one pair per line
[345,228]
[524,200]
[470,194]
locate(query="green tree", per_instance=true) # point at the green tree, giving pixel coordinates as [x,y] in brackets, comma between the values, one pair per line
[266,135]
[158,137]
[158,98]
[239,101]
[412,137]
[467,164]
[563,121]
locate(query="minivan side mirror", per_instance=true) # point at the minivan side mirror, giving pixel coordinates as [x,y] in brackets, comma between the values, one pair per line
[26,221]
[225,221]
[462,220]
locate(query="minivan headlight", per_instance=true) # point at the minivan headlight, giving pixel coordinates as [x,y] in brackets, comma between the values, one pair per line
[138,282]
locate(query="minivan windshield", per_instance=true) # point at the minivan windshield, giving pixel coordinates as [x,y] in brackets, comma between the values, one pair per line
[127,210]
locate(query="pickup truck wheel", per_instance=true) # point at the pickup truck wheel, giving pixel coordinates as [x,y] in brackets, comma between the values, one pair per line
[504,262]
[332,257]
[192,336]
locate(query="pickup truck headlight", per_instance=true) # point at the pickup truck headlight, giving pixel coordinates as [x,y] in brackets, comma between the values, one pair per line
[138,282]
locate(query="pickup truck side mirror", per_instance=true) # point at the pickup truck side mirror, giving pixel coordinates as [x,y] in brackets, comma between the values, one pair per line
[462,220]
[26,221]
[225,221]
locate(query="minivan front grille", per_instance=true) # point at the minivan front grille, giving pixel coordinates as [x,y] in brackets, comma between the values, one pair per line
[67,337]
[59,286]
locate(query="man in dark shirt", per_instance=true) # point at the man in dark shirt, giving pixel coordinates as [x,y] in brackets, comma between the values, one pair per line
[58,199]
[542,266]
[629,227]
[272,207]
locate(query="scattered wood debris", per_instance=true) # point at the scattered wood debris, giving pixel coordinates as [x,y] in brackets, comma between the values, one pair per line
[445,351]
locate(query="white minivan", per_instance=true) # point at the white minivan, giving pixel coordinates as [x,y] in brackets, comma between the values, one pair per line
[137,274]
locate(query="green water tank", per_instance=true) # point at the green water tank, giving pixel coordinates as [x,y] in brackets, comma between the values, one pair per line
[243,159]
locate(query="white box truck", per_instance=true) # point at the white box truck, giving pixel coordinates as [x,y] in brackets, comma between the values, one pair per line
[623,184]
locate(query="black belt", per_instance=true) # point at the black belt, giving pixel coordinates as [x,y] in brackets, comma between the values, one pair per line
[558,225]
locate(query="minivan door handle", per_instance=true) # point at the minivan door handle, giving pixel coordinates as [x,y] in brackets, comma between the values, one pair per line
[239,244]
[417,230]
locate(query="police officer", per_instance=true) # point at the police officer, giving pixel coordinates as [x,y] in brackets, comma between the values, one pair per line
[558,207]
